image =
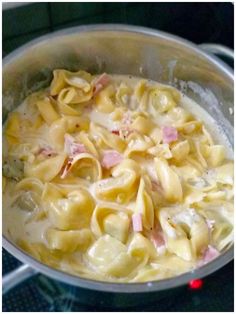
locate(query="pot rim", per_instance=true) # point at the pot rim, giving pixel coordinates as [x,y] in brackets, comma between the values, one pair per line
[119,28]
[150,286]
[159,285]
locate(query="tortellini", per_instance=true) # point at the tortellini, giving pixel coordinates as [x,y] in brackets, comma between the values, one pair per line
[122,186]
[220,214]
[111,220]
[137,144]
[108,139]
[66,124]
[85,166]
[114,178]
[169,180]
[115,263]
[45,170]
[144,205]
[73,212]
[69,241]
[104,101]
[123,94]
[165,267]
[187,232]
[180,150]
[71,87]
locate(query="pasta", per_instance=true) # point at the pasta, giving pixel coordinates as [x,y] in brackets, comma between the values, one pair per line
[115,178]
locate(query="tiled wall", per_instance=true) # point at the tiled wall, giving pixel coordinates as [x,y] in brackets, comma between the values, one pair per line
[198,22]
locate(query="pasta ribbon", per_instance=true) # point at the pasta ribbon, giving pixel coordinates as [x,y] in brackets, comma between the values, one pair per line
[186,232]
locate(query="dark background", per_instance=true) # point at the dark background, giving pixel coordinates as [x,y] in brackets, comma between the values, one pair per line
[198,22]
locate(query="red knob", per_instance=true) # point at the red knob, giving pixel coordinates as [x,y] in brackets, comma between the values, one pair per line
[195,284]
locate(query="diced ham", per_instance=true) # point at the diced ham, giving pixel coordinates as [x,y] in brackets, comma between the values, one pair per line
[67,168]
[47,151]
[72,148]
[157,238]
[137,222]
[169,134]
[101,82]
[210,254]
[69,140]
[77,148]
[210,224]
[111,158]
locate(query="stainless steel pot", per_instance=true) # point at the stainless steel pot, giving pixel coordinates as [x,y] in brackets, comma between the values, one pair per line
[120,49]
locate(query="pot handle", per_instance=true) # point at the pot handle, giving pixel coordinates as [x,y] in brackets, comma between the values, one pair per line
[218,50]
[16,276]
